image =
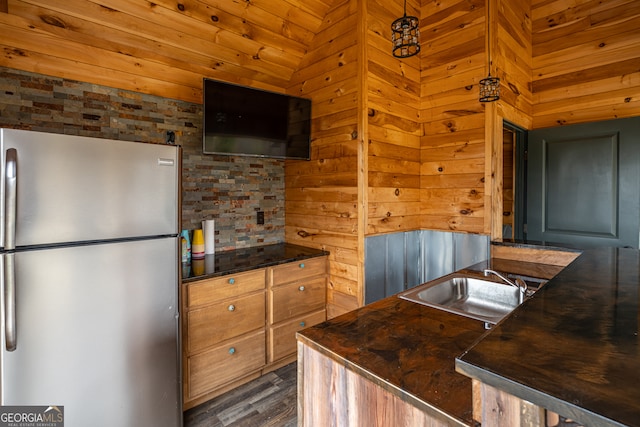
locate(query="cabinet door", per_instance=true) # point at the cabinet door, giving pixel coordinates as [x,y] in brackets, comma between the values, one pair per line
[297,298]
[213,290]
[298,270]
[234,316]
[220,365]
[282,338]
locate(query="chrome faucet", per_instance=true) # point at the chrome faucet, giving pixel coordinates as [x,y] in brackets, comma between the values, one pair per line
[517,283]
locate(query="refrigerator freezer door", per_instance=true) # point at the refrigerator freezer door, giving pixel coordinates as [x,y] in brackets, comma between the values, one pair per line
[97,332]
[73,189]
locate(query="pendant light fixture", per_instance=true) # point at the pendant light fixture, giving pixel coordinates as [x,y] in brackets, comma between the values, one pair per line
[405,35]
[489,86]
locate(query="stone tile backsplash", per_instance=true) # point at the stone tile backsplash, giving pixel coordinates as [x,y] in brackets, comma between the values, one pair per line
[228,189]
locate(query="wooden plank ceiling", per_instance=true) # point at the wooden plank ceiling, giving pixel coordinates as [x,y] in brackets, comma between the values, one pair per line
[168,45]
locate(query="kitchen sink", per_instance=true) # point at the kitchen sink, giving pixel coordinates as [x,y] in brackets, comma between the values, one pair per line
[468,296]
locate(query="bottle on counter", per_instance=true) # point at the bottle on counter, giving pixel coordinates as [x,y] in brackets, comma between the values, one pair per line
[186,246]
[197,248]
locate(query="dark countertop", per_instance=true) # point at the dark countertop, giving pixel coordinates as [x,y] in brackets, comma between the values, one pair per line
[410,349]
[406,348]
[531,244]
[239,260]
[572,348]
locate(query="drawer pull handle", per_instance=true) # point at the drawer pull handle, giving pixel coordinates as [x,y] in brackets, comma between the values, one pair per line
[302,265]
[232,350]
[302,324]
[232,281]
[301,288]
[232,307]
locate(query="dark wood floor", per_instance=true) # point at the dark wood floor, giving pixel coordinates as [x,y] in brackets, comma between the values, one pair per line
[269,401]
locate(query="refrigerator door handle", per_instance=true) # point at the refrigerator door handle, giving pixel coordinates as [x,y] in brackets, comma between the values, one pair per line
[9,302]
[10,191]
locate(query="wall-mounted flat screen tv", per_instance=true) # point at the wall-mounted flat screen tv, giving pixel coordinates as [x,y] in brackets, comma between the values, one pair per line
[240,120]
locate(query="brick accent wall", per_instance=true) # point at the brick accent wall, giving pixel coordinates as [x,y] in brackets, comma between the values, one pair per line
[228,189]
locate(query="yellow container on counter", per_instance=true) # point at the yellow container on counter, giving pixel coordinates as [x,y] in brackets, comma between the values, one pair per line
[197,245]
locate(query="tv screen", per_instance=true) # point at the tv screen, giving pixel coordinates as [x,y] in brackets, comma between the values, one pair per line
[240,120]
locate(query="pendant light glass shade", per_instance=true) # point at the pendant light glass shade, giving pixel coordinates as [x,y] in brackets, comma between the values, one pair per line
[489,89]
[405,35]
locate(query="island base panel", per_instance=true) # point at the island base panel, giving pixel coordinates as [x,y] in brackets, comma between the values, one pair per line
[331,394]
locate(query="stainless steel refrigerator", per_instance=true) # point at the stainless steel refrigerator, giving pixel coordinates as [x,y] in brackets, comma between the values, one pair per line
[90,278]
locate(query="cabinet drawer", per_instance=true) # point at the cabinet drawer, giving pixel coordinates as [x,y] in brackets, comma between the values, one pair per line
[209,291]
[218,322]
[220,365]
[282,338]
[298,270]
[297,298]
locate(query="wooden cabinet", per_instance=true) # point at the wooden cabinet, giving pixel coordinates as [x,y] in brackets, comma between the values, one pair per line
[238,327]
[297,299]
[223,333]
[282,337]
[239,315]
[221,365]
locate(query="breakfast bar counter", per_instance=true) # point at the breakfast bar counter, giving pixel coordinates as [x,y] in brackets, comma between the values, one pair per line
[573,348]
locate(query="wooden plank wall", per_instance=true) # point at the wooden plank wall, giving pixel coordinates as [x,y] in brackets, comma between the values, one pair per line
[511,53]
[394,125]
[163,47]
[452,148]
[508,55]
[586,61]
[321,196]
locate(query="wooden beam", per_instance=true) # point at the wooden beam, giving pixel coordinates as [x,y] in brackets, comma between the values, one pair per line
[363,143]
[4,6]
[493,172]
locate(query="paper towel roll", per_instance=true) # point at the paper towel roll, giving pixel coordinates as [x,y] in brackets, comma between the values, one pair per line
[209,236]
[210,264]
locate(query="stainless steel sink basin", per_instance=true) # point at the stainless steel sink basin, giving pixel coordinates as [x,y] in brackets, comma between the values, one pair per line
[468,296]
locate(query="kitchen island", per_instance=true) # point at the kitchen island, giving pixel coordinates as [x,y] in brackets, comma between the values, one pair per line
[572,348]
[404,349]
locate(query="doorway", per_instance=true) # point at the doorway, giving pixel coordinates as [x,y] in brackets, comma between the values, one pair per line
[514,152]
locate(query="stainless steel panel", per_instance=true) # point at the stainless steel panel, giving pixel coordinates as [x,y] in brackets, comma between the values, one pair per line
[395,263]
[375,268]
[413,259]
[398,261]
[73,189]
[438,253]
[97,332]
[469,249]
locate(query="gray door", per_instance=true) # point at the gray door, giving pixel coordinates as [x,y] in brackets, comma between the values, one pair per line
[583,184]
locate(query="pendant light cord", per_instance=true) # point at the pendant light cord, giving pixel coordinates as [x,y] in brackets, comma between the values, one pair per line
[489,33]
